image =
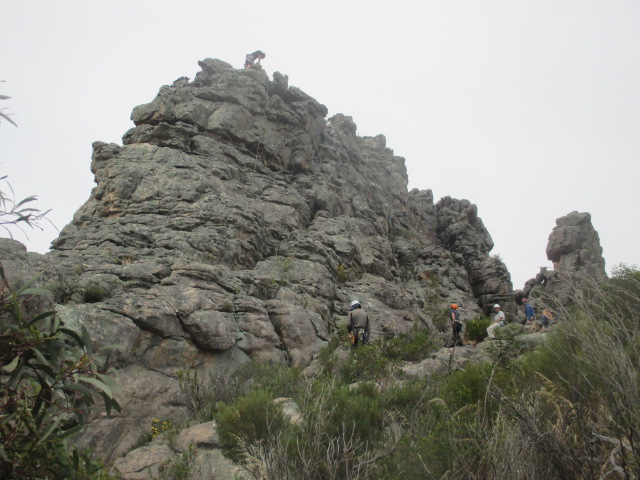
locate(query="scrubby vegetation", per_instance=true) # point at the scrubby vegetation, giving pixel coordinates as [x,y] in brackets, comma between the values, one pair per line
[48,386]
[569,409]
[48,381]
[476,329]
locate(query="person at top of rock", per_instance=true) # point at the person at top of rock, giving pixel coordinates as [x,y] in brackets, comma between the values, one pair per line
[357,324]
[253,58]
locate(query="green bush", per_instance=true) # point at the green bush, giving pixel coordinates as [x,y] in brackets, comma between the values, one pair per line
[47,389]
[411,347]
[466,387]
[94,294]
[358,409]
[367,363]
[180,468]
[342,273]
[476,329]
[442,320]
[248,420]
[280,380]
[507,349]
[326,357]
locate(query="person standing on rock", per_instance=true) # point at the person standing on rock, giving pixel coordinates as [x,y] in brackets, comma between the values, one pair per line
[529,313]
[357,324]
[498,321]
[456,325]
[251,59]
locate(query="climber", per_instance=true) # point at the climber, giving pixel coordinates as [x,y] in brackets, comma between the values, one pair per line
[498,321]
[329,130]
[529,313]
[252,58]
[546,319]
[456,325]
[357,324]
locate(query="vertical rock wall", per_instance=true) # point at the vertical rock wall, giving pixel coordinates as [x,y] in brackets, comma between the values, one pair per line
[236,222]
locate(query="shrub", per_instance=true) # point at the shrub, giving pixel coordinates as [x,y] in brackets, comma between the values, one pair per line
[326,357]
[574,412]
[94,294]
[505,350]
[466,387]
[367,363]
[181,467]
[248,420]
[47,390]
[358,410]
[280,380]
[413,346]
[442,320]
[476,329]
[342,273]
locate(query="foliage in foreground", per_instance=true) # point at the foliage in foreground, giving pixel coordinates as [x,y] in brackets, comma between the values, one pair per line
[570,409]
[18,213]
[48,386]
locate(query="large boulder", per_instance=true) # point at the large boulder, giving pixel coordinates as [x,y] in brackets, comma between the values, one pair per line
[236,223]
[575,250]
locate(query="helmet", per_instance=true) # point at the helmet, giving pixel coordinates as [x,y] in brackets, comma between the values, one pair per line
[496,306]
[454,306]
[355,303]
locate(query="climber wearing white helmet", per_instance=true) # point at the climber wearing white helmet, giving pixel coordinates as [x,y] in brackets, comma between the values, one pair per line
[498,321]
[357,324]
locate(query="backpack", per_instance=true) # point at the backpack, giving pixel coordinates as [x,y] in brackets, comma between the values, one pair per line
[456,314]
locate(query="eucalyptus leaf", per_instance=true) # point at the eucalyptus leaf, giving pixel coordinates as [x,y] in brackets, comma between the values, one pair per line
[12,365]
[96,383]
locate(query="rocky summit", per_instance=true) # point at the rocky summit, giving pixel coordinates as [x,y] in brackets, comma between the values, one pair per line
[574,248]
[238,222]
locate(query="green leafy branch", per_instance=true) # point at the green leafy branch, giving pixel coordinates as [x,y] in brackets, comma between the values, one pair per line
[48,387]
[3,115]
[16,213]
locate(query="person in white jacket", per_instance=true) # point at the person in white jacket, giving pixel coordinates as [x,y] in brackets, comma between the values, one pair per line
[498,321]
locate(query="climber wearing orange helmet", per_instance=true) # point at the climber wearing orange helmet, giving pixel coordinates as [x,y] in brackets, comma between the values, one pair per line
[456,325]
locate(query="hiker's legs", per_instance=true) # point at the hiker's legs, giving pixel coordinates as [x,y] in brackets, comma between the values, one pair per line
[358,334]
[457,328]
[544,323]
[490,330]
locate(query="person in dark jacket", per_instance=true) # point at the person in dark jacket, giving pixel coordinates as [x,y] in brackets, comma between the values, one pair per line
[252,58]
[456,325]
[529,313]
[357,324]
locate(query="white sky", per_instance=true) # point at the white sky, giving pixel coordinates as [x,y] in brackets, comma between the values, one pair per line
[530,109]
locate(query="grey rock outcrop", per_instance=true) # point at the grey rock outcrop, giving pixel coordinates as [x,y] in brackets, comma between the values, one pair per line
[233,224]
[575,250]
[574,245]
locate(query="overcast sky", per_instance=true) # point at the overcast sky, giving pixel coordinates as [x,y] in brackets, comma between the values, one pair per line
[529,109]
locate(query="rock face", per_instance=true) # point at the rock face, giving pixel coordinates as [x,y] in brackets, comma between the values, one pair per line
[574,248]
[236,223]
[575,245]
